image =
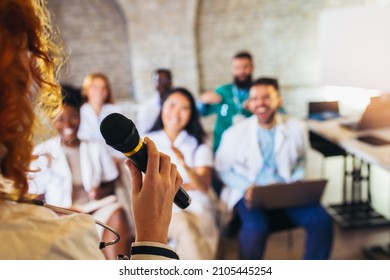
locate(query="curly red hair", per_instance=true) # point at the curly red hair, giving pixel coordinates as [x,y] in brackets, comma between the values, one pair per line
[29,61]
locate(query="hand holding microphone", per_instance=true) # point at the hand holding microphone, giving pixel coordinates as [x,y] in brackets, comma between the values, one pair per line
[120,133]
[162,181]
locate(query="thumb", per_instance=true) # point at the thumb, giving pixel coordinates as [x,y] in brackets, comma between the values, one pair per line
[136,177]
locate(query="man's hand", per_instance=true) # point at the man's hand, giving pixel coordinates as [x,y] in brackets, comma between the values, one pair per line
[248,193]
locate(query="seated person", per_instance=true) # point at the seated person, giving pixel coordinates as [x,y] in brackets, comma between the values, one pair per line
[73,172]
[178,133]
[150,109]
[98,103]
[268,148]
[229,101]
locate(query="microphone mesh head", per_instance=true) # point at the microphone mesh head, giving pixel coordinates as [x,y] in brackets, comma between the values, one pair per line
[119,132]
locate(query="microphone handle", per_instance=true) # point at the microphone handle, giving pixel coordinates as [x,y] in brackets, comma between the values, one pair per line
[182,199]
[140,160]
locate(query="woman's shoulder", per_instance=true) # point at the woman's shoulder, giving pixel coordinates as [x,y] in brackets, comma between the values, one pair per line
[190,141]
[111,108]
[36,216]
[156,134]
[57,237]
[85,107]
[204,149]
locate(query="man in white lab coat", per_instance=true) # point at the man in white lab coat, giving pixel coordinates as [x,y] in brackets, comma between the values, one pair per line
[263,149]
[149,111]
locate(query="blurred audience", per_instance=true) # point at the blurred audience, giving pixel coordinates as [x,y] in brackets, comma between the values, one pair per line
[228,101]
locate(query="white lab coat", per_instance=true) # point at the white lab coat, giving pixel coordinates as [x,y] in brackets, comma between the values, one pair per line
[203,205]
[147,113]
[240,153]
[195,156]
[33,232]
[55,179]
[90,122]
[90,125]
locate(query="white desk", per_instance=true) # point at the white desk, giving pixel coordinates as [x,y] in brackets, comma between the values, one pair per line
[349,213]
[346,139]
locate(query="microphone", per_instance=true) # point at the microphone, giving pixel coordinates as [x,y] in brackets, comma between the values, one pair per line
[120,133]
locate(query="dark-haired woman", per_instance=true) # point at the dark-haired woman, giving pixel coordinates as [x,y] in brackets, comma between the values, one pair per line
[179,133]
[74,172]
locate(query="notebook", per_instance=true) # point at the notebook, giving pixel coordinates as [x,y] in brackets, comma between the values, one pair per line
[282,195]
[94,205]
[373,140]
[376,115]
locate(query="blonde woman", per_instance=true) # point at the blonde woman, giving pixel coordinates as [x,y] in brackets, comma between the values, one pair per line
[97,93]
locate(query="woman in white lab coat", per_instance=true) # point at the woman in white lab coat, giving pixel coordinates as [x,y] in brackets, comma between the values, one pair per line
[99,103]
[73,172]
[178,133]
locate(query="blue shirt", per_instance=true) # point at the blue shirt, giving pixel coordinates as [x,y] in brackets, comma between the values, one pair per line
[269,173]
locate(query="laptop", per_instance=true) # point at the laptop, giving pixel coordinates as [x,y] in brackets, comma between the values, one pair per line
[376,115]
[323,110]
[282,195]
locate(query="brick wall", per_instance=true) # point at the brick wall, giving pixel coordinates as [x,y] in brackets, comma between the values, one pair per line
[282,36]
[128,39]
[94,34]
[162,35]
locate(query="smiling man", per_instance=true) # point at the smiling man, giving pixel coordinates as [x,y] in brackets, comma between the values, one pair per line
[264,149]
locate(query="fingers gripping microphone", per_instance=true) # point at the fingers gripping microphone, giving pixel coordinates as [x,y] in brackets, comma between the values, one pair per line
[120,133]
